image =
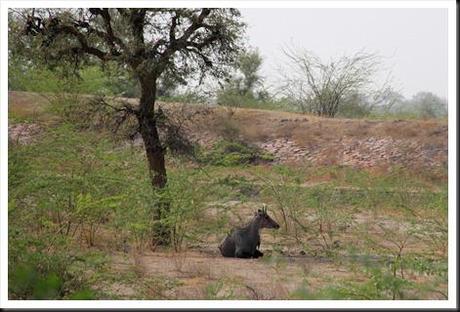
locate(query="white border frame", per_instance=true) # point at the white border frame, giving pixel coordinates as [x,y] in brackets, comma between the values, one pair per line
[267,304]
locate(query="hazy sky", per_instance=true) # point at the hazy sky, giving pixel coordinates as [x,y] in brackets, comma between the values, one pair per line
[413,42]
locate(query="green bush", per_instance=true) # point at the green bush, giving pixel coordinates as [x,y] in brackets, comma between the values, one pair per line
[64,186]
[226,153]
[26,282]
[40,275]
[380,285]
[43,266]
[186,198]
[354,109]
[241,186]
[232,98]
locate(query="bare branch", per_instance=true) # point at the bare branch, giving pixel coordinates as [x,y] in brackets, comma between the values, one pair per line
[322,87]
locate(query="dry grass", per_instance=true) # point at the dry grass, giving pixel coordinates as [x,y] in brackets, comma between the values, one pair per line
[26,104]
[249,279]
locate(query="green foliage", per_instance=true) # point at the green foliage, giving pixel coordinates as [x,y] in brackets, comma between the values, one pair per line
[25,282]
[54,45]
[226,153]
[232,98]
[59,190]
[241,186]
[425,265]
[354,106]
[85,294]
[327,208]
[37,272]
[74,182]
[89,80]
[245,88]
[35,79]
[323,213]
[249,64]
[56,192]
[244,80]
[421,105]
[381,284]
[186,203]
[66,180]
[222,289]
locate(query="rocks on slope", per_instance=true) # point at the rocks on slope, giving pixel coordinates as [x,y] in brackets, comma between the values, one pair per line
[23,133]
[356,152]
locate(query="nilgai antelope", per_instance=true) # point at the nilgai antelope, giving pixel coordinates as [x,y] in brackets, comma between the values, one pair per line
[245,242]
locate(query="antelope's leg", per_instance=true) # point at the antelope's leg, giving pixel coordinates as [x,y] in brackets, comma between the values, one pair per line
[258,254]
[239,253]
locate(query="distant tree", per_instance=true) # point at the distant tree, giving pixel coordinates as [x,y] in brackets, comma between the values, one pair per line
[148,43]
[321,88]
[422,104]
[355,105]
[245,83]
[429,105]
[249,64]
[383,102]
[389,100]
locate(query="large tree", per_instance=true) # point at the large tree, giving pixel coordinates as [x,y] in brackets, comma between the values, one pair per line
[148,42]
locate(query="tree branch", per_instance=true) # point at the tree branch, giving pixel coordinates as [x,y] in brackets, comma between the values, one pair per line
[66,29]
[182,42]
[109,36]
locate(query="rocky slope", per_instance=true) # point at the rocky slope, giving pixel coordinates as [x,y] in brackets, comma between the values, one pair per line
[292,138]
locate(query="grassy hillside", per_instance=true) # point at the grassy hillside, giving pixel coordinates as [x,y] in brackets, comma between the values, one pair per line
[362,206]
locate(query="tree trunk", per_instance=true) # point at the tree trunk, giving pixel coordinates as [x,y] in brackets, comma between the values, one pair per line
[153,150]
[155,153]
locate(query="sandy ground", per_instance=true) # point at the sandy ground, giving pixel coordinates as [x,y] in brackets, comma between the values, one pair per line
[198,272]
[207,275]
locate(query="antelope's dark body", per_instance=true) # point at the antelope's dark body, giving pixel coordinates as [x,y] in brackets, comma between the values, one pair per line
[245,242]
[241,244]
